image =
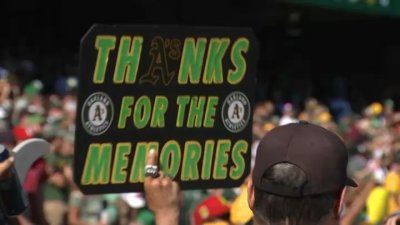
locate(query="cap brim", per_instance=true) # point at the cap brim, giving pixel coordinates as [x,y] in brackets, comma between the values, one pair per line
[351,183]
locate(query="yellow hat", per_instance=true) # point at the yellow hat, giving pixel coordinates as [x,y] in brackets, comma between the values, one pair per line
[376,108]
[268,126]
[324,117]
[240,211]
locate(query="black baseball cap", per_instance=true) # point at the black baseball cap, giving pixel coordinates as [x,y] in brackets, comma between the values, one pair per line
[320,153]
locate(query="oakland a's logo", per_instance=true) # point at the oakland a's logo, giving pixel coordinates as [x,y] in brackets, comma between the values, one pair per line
[236,112]
[97,113]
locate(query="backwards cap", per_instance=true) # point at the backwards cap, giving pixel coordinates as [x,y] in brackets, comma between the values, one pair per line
[210,208]
[320,153]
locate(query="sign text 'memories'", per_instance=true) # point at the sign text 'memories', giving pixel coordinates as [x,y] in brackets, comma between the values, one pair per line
[201,61]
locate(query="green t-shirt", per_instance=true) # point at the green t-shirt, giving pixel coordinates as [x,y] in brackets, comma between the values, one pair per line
[57,162]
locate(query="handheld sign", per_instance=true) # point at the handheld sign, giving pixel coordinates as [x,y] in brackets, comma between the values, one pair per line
[185,91]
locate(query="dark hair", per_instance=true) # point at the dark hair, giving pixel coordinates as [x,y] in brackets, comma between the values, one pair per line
[274,209]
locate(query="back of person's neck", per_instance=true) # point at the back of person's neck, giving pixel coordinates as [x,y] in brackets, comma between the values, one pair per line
[326,220]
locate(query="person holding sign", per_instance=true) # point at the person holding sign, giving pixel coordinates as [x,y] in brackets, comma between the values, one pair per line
[4,166]
[299,177]
[162,194]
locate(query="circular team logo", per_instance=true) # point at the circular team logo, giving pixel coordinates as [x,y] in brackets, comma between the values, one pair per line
[97,113]
[236,111]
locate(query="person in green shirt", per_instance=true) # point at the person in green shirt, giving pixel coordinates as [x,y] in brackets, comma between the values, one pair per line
[56,188]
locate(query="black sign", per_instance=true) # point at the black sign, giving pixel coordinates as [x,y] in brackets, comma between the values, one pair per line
[185,91]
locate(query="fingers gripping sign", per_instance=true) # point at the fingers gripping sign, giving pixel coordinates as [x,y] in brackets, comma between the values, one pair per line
[161,192]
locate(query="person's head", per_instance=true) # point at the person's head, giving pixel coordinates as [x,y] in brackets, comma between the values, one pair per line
[7,138]
[299,176]
[288,109]
[67,145]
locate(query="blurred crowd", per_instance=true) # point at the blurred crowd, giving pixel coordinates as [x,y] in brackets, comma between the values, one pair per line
[372,137]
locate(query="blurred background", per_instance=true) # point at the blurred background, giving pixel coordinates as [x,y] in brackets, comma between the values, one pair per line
[332,62]
[321,48]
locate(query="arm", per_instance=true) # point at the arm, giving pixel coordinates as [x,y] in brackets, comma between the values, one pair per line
[392,221]
[5,165]
[395,197]
[362,174]
[162,195]
[5,90]
[22,220]
[68,174]
[74,202]
[357,205]
[58,180]
[73,217]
